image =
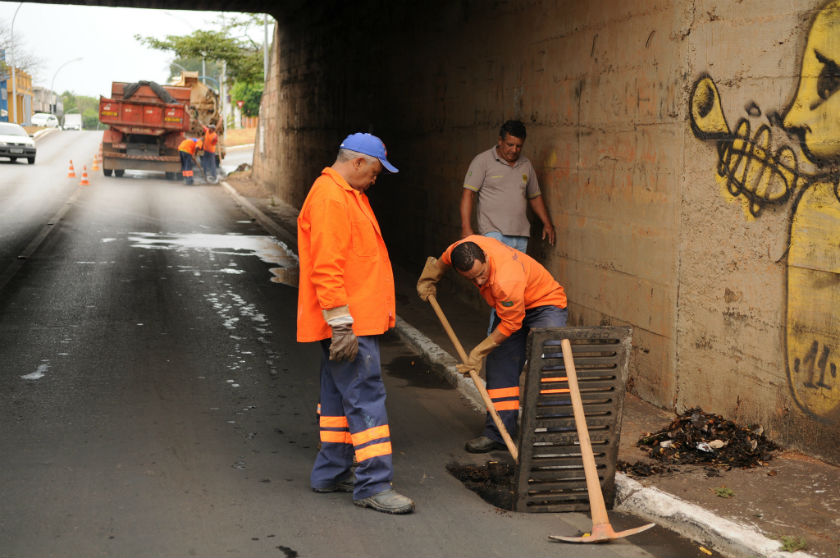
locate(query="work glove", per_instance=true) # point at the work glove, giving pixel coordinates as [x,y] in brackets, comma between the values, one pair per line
[476,356]
[432,272]
[344,345]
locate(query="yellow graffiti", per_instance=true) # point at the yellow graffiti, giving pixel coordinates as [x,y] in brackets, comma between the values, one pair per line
[748,166]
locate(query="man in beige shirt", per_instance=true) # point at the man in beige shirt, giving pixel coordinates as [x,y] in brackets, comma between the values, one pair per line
[503,180]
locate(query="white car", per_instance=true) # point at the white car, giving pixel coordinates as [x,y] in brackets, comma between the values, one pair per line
[44,119]
[15,143]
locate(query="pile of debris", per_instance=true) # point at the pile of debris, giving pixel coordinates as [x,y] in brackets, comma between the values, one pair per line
[698,438]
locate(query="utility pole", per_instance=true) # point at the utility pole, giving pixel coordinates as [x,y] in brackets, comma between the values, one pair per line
[14,62]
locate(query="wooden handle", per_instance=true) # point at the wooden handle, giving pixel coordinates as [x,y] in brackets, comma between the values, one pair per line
[597,507]
[476,380]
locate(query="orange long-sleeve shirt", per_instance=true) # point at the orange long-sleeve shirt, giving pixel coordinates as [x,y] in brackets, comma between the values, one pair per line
[343,261]
[516,282]
[189,145]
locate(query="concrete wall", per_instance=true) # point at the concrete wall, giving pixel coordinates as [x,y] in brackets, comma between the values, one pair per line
[649,232]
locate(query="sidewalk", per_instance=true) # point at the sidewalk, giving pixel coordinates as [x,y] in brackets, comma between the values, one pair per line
[794,498]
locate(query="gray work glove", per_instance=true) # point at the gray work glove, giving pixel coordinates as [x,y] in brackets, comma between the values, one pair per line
[344,344]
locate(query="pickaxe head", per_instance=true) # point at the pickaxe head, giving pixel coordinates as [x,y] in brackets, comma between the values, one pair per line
[602,533]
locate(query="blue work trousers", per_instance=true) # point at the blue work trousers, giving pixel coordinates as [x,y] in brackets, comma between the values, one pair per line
[186,166]
[208,163]
[354,422]
[504,364]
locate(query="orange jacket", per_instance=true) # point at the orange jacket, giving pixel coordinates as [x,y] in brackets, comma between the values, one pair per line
[343,260]
[211,138]
[517,282]
[189,145]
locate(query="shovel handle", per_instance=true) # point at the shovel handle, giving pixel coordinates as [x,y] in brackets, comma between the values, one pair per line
[476,380]
[597,507]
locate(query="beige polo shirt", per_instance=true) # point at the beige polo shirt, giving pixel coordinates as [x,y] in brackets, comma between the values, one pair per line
[503,191]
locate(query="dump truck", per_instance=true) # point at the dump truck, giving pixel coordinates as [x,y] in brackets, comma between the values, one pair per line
[147,121]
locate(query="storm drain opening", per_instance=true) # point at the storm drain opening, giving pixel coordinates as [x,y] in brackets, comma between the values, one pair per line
[550,476]
[493,482]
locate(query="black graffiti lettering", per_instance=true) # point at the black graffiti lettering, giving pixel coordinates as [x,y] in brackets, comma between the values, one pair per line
[821,364]
[810,365]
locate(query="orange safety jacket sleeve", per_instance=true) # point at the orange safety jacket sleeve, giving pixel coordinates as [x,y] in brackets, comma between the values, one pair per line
[329,246]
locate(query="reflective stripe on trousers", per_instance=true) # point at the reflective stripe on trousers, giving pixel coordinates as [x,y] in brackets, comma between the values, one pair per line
[354,422]
[504,365]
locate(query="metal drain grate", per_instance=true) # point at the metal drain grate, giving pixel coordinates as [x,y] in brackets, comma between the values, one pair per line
[550,475]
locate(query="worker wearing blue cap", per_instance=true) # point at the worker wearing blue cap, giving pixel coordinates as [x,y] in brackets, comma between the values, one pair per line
[346,302]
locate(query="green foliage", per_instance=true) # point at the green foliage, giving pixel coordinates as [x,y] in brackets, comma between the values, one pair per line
[723,492]
[230,44]
[792,544]
[90,119]
[250,93]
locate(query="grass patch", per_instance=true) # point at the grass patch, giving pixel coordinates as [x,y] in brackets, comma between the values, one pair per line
[723,492]
[792,544]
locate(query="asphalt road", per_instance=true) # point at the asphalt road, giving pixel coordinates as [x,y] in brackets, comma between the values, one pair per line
[154,401]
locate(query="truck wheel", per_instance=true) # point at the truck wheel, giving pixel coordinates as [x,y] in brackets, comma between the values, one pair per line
[31,160]
[106,172]
[119,172]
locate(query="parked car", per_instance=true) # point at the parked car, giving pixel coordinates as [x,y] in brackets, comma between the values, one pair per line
[44,119]
[15,143]
[73,121]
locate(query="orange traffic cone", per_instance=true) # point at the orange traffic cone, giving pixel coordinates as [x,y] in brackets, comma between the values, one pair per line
[95,166]
[71,173]
[84,181]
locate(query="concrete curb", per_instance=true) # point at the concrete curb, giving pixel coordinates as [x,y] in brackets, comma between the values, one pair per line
[700,525]
[728,537]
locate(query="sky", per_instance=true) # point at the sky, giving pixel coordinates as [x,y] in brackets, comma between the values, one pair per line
[103,38]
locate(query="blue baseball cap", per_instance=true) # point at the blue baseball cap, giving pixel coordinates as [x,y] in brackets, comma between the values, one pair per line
[369,145]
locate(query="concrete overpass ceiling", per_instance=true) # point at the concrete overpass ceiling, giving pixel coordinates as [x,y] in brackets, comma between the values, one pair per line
[273,7]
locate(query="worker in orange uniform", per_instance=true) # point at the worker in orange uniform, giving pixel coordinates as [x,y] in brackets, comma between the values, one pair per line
[346,302]
[524,295]
[208,159]
[187,149]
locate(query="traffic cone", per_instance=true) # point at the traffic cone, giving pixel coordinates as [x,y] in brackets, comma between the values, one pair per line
[71,173]
[84,181]
[95,166]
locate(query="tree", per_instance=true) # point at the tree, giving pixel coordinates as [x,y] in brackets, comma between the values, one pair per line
[23,58]
[231,44]
[250,93]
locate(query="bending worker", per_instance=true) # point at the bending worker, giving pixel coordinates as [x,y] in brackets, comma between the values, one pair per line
[346,302]
[187,149]
[524,295]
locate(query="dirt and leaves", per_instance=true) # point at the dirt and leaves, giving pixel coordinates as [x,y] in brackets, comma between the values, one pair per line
[699,438]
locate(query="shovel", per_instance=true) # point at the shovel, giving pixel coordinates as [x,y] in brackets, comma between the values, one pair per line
[198,165]
[602,531]
[476,380]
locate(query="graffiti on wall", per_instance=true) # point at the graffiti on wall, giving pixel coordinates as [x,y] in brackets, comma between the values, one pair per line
[751,168]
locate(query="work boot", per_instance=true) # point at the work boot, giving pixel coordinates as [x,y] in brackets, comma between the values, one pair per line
[388,501]
[483,444]
[342,485]
[188,182]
